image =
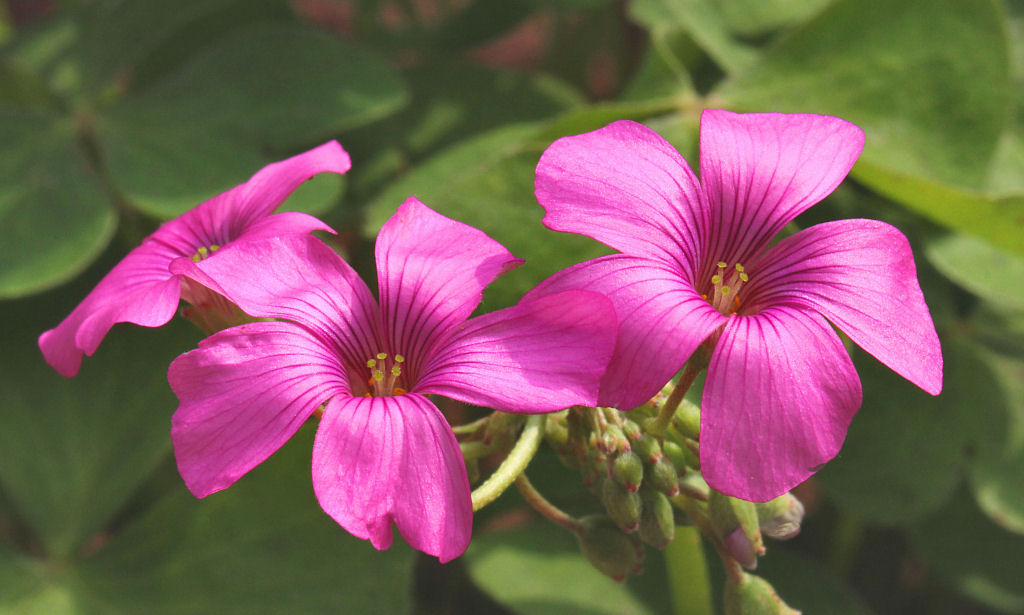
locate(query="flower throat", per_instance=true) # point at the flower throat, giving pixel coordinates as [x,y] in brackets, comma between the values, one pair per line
[385,375]
[726,282]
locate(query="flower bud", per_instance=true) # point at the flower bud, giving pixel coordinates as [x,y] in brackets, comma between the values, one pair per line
[613,440]
[501,429]
[675,454]
[657,521]
[692,451]
[632,430]
[609,550]
[780,518]
[687,420]
[623,506]
[663,477]
[735,522]
[648,449]
[753,596]
[628,471]
[594,467]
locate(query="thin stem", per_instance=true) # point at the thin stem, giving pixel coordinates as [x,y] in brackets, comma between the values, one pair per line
[733,569]
[470,427]
[514,465]
[544,507]
[475,449]
[668,410]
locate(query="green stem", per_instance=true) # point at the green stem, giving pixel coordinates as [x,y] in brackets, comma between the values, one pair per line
[661,422]
[518,458]
[475,449]
[470,427]
[544,507]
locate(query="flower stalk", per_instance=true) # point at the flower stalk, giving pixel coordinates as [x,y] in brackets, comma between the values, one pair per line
[514,465]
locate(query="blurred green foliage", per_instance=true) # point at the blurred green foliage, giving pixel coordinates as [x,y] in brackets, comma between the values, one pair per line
[118,114]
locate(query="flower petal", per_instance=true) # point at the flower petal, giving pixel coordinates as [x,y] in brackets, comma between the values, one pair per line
[228,215]
[242,394]
[431,274]
[627,187]
[760,170]
[859,274]
[542,355]
[662,320]
[379,460]
[297,278]
[779,396]
[139,289]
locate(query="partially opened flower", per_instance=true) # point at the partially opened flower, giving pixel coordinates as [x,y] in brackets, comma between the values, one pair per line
[695,267]
[383,452]
[141,289]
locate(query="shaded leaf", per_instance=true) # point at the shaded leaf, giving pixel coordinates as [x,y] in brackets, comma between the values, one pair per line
[807,585]
[986,271]
[54,216]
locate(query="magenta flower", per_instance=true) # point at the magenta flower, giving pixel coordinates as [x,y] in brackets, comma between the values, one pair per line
[696,268]
[383,452]
[141,289]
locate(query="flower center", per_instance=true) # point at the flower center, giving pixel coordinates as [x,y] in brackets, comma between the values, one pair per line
[726,283]
[204,251]
[385,375]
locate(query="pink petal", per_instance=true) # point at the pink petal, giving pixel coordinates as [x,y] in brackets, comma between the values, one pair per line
[779,396]
[431,274]
[859,274]
[760,170]
[542,355]
[228,215]
[379,460]
[284,223]
[139,289]
[626,187]
[297,278]
[662,320]
[242,394]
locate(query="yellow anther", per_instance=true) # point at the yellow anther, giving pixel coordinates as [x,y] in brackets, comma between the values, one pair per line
[744,277]
[725,290]
[382,355]
[722,264]
[371,363]
[378,375]
[716,279]
[196,258]
[399,358]
[739,267]
[396,371]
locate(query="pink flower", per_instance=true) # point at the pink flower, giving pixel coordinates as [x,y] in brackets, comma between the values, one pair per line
[695,267]
[383,452]
[141,289]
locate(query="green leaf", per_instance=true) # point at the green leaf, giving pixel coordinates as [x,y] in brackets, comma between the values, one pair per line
[527,570]
[807,585]
[986,271]
[487,182]
[906,451]
[704,22]
[998,220]
[262,546]
[73,451]
[928,82]
[278,85]
[997,479]
[980,559]
[54,216]
[756,17]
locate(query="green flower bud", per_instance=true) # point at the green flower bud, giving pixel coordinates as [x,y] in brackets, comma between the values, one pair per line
[609,550]
[648,449]
[735,522]
[687,420]
[753,596]
[632,430]
[692,451]
[556,432]
[657,521]
[613,440]
[594,467]
[623,506]
[675,454]
[780,518]
[628,471]
[663,477]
